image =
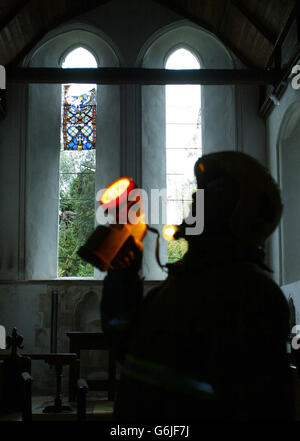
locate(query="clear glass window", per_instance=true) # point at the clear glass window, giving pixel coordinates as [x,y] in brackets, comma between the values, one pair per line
[183,144]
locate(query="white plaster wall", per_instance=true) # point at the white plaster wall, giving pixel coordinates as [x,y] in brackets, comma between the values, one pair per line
[293,290]
[10,143]
[42,181]
[278,130]
[27,306]
[133,35]
[289,156]
[130,24]
[130,140]
[19,307]
[251,129]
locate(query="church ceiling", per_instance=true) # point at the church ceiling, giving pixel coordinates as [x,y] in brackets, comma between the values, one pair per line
[251,29]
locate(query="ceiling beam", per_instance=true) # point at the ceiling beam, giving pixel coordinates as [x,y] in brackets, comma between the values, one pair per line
[255,21]
[281,37]
[283,82]
[67,14]
[281,86]
[13,13]
[200,22]
[298,20]
[223,17]
[141,76]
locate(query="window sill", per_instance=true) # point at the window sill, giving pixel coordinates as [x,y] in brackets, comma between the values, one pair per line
[67,281]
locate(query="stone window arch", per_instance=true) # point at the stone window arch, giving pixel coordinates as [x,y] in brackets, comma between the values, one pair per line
[43,126]
[218,116]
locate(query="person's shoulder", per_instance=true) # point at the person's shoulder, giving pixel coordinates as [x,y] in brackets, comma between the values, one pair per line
[260,286]
[245,281]
[254,273]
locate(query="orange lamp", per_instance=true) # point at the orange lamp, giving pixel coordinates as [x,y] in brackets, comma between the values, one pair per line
[117,192]
[103,246]
[169,231]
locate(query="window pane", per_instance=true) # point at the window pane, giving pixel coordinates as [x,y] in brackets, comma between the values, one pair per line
[182,160]
[182,59]
[184,104]
[72,162]
[76,222]
[176,249]
[180,187]
[79,119]
[79,57]
[183,145]
[77,186]
[183,136]
[176,211]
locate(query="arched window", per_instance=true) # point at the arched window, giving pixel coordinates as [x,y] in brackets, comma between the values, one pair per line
[77,167]
[183,144]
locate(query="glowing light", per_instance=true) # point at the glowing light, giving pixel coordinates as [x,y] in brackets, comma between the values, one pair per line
[201,166]
[115,190]
[169,231]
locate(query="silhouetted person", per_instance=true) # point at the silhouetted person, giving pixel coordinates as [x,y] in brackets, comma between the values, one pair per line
[210,341]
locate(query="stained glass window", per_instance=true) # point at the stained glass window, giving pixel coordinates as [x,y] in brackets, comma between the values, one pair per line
[79,120]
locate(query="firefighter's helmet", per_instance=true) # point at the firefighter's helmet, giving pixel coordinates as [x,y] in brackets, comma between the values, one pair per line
[248,195]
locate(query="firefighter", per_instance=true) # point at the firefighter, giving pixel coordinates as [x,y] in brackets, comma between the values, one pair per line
[209,343]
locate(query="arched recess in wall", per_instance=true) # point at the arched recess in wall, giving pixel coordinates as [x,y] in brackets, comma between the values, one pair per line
[288,151]
[43,143]
[218,112]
